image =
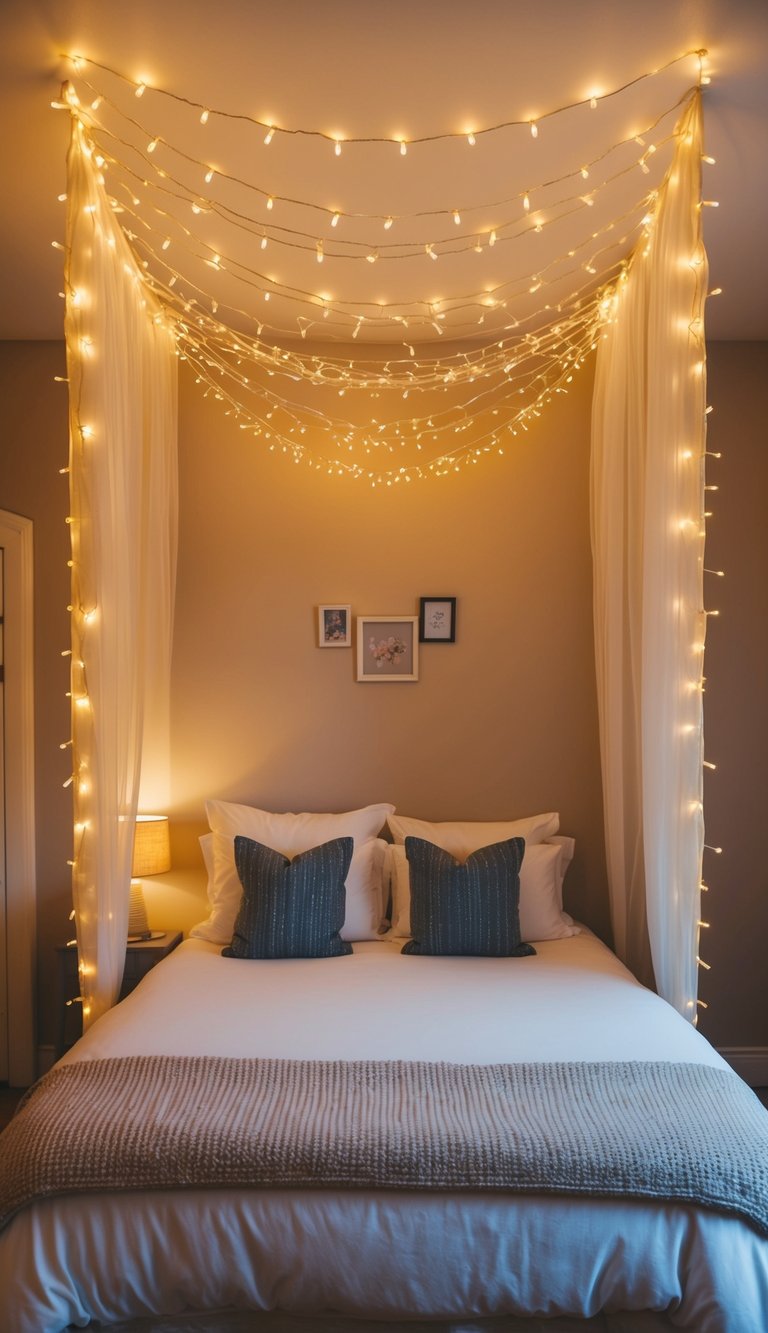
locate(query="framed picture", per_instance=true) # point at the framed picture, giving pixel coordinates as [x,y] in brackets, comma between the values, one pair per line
[334,626]
[387,648]
[437,619]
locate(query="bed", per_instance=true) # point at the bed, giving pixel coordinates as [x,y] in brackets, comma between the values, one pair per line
[388,1254]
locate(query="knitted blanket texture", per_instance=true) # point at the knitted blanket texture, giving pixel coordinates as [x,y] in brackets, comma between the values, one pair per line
[642,1130]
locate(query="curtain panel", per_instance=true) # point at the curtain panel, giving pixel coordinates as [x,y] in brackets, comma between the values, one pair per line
[647,521]
[122,371]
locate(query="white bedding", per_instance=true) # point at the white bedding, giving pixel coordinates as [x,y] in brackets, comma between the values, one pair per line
[375,1254]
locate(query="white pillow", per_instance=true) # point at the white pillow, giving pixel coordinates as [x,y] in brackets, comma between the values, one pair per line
[462,837]
[541,917]
[568,847]
[290,834]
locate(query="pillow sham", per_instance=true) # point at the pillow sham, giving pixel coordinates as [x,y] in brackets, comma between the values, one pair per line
[541,878]
[289,834]
[568,847]
[469,909]
[461,837]
[290,908]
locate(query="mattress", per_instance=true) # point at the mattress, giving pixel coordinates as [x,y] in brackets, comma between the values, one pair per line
[362,1254]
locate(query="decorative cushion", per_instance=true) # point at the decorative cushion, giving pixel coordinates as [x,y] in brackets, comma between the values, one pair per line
[541,891]
[289,834]
[461,837]
[466,909]
[290,909]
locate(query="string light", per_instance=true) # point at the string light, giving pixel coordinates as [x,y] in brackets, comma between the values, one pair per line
[139,87]
[556,365]
[305,203]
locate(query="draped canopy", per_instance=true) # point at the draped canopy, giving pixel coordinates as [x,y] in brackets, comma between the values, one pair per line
[125,330]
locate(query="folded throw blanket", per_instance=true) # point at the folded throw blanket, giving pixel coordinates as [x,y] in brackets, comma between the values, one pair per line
[673,1132]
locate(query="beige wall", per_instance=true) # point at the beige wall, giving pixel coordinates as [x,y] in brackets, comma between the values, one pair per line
[33,448]
[501,723]
[736,701]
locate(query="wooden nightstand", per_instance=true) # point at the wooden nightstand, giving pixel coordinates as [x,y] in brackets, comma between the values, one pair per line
[140,958]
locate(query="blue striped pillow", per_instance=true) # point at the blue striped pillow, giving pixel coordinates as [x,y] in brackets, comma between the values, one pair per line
[472,908]
[291,909]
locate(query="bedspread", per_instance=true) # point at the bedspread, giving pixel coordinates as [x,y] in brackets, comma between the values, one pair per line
[642,1130]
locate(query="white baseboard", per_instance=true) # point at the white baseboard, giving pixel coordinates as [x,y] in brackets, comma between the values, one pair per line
[750,1063]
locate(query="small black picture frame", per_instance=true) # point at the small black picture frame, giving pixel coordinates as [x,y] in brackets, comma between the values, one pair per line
[437,620]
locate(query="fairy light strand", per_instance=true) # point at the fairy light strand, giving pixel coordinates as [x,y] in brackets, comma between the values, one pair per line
[335,215]
[232,365]
[274,131]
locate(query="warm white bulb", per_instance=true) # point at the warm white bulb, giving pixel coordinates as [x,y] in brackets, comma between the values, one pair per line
[471,140]
[403,148]
[335,219]
[269,134]
[204,117]
[534,130]
[457,217]
[337,148]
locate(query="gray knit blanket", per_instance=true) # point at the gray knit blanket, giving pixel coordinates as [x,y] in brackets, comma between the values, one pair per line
[671,1132]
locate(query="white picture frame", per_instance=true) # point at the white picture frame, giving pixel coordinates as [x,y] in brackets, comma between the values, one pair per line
[334,625]
[387,649]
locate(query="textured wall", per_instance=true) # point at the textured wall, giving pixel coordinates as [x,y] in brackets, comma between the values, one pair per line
[736,700]
[501,723]
[33,448]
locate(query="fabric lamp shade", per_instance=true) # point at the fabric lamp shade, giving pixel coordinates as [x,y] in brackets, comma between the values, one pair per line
[151,856]
[151,846]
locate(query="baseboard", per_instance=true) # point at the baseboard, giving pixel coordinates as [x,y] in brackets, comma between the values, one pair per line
[750,1063]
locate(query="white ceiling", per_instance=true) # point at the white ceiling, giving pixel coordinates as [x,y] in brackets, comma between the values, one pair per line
[407,68]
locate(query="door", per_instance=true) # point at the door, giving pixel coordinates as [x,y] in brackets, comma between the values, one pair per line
[3,905]
[17,809]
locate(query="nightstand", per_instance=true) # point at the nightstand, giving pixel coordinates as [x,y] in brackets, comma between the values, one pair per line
[140,958]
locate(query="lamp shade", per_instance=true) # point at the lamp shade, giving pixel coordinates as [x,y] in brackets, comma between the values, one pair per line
[151,846]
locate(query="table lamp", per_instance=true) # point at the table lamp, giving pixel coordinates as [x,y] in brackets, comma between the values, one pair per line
[151,856]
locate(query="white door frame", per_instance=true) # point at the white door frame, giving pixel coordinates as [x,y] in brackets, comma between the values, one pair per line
[20,884]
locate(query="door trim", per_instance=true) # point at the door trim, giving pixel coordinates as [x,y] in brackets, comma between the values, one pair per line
[21,895]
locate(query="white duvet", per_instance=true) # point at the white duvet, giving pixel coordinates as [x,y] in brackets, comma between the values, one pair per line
[377,1254]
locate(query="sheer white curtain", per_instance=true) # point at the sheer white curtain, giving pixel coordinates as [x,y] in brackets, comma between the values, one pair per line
[647,495]
[123,501]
